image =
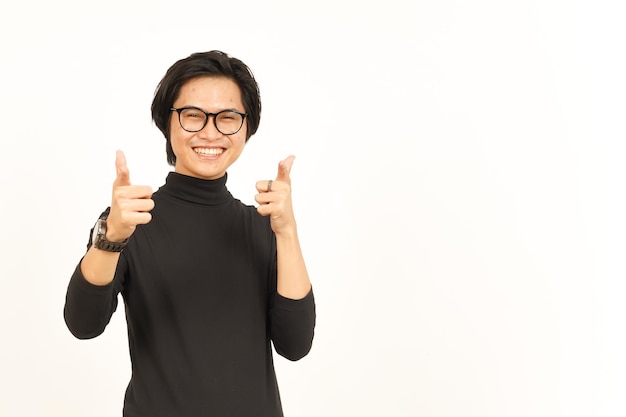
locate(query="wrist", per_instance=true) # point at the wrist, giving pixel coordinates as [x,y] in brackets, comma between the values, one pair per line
[290,232]
[102,238]
[112,236]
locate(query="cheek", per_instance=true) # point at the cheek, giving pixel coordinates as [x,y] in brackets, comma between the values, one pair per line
[240,141]
[178,136]
[177,143]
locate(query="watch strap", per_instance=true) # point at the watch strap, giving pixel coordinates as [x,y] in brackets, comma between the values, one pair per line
[103,244]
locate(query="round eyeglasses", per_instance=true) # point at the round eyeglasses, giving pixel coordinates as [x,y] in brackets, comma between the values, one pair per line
[193,119]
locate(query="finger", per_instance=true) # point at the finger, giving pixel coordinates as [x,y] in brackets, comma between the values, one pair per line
[263,198]
[264,186]
[135,218]
[123,176]
[133,191]
[264,210]
[136,205]
[284,169]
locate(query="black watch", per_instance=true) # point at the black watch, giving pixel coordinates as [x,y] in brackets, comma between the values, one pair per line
[99,240]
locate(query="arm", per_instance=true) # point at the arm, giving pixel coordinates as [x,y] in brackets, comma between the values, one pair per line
[292,325]
[130,206]
[98,266]
[88,307]
[292,311]
[293,279]
[274,200]
[92,296]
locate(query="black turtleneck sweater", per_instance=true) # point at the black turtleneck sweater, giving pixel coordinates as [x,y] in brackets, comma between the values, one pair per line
[199,288]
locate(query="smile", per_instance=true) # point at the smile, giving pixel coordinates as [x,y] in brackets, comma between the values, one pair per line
[209,151]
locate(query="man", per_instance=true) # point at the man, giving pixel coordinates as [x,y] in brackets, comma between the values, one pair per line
[209,284]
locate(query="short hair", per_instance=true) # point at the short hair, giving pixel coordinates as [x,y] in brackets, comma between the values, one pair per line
[211,63]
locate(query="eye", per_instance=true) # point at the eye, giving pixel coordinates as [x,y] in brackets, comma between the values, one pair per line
[192,114]
[228,116]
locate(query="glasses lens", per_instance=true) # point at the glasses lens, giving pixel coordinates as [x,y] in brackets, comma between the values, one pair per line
[228,122]
[192,120]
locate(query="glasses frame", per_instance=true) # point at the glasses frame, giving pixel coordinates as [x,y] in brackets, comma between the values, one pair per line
[208,116]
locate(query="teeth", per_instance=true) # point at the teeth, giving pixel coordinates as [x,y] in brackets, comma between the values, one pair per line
[209,151]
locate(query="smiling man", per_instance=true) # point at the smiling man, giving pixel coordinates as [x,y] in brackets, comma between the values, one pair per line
[209,284]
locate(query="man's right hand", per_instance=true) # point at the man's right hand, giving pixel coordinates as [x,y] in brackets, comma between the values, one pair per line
[130,204]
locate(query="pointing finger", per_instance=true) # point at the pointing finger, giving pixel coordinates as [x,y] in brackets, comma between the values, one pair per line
[123,176]
[284,169]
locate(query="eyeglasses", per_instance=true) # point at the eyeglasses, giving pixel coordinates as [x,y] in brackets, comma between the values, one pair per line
[193,119]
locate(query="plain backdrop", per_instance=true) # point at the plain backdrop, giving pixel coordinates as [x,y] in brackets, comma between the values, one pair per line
[458,185]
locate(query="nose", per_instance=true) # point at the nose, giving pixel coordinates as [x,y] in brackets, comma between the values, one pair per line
[209,131]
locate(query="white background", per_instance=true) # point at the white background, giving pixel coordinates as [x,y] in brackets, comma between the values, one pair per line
[459,187]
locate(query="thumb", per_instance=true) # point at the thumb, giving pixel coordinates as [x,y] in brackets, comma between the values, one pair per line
[284,169]
[123,176]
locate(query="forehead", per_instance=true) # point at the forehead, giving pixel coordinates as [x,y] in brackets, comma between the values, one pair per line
[210,93]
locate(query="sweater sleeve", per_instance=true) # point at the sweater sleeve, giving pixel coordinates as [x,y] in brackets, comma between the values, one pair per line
[88,307]
[292,325]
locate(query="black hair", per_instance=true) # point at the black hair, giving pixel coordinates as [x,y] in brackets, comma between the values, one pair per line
[211,63]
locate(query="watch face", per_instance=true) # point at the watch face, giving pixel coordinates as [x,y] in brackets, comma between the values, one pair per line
[97,229]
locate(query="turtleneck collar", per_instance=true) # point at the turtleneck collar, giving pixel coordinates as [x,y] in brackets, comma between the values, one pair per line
[196,190]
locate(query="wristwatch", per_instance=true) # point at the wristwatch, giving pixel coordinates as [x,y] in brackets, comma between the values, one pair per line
[99,240]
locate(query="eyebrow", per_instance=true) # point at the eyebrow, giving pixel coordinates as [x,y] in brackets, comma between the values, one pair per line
[200,108]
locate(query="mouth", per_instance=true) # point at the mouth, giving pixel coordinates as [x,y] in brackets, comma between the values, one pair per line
[209,151]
